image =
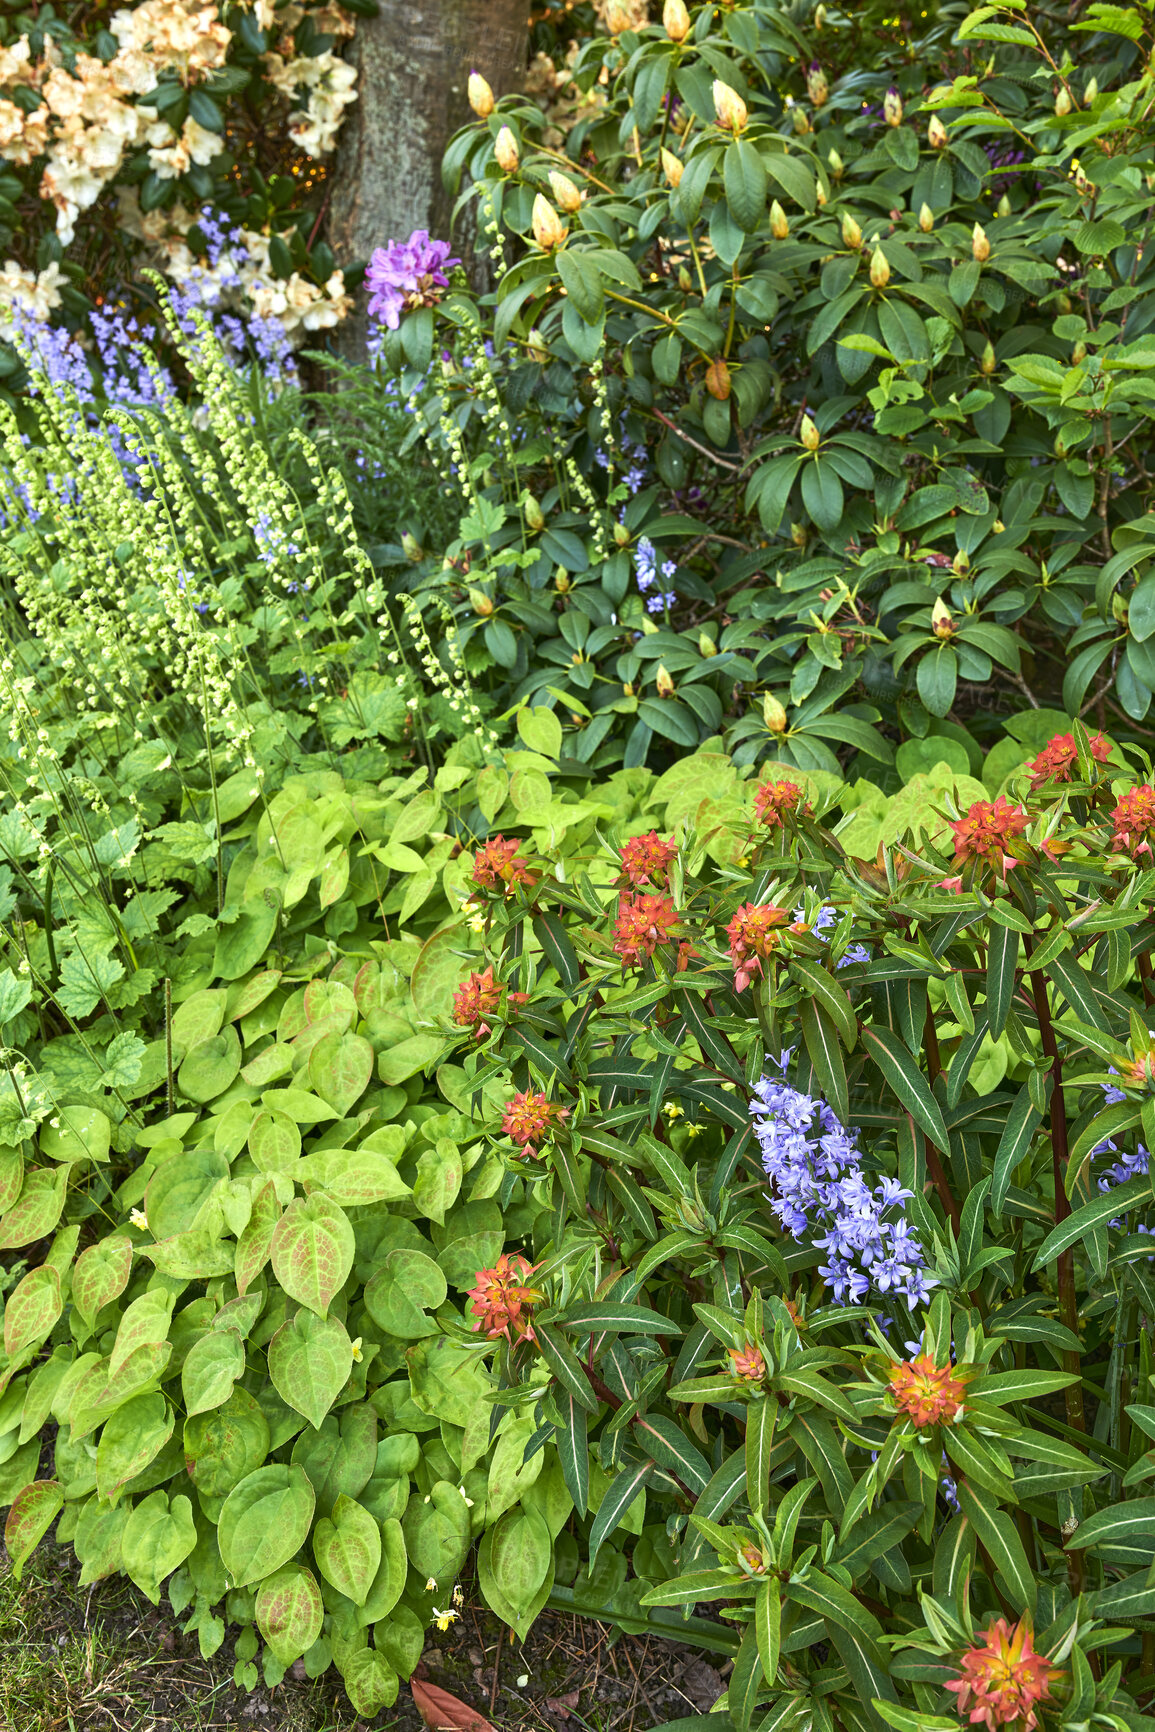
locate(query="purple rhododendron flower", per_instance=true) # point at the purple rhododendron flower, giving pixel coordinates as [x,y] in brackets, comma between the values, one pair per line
[405,274]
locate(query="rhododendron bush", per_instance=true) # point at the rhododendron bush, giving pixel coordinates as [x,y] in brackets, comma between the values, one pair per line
[129,137]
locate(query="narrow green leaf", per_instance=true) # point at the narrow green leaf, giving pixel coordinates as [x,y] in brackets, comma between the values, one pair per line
[907,1081]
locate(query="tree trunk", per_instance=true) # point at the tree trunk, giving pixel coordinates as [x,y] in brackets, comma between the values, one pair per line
[414,59]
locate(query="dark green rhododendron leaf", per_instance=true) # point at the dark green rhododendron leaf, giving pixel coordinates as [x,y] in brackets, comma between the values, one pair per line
[310,1359]
[265,1519]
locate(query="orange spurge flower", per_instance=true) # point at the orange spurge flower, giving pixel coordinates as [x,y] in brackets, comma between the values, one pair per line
[927,1392]
[498,862]
[646,857]
[773,799]
[642,924]
[1134,822]
[753,936]
[1002,1679]
[1056,761]
[987,830]
[501,1302]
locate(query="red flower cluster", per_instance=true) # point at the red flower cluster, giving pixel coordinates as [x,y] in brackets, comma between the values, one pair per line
[986,831]
[501,1302]
[642,924]
[927,1392]
[480,997]
[529,1118]
[646,857]
[752,938]
[1056,761]
[772,799]
[498,862]
[1134,822]
[1003,1679]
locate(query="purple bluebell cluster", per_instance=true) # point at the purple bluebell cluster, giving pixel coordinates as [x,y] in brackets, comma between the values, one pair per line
[646,568]
[52,355]
[273,543]
[820,924]
[129,374]
[820,1192]
[405,273]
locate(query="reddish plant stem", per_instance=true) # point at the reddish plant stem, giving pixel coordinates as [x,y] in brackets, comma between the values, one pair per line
[1144,961]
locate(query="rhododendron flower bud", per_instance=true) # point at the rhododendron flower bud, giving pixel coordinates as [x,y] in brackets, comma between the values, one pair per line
[851,233]
[1079,352]
[672,167]
[1063,101]
[925,218]
[798,534]
[664,682]
[535,345]
[961,562]
[1091,92]
[480,95]
[980,245]
[1002,1680]
[837,166]
[566,194]
[685,280]
[879,268]
[617,18]
[927,1393]
[621,535]
[676,20]
[892,107]
[506,151]
[411,547]
[779,222]
[801,121]
[936,133]
[534,516]
[809,434]
[940,620]
[729,107]
[481,603]
[1003,208]
[706,645]
[819,16]
[548,229]
[773,713]
[817,89]
[718,379]
[988,360]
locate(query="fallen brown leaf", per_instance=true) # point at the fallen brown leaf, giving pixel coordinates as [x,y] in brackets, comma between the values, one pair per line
[442,1712]
[562,1706]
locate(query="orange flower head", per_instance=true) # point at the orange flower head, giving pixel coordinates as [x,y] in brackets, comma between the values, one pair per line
[747,1364]
[750,1560]
[987,829]
[529,1118]
[1056,761]
[498,862]
[753,936]
[773,799]
[1134,822]
[501,1302]
[476,999]
[642,924]
[1002,1679]
[1141,1069]
[647,857]
[926,1392]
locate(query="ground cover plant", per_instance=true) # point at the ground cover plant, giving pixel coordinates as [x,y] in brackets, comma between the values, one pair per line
[810,406]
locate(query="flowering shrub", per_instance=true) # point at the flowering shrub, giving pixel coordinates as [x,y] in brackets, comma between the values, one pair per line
[840,1264]
[808,410]
[132,139]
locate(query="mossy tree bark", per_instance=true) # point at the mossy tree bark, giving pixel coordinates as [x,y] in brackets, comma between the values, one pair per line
[414,60]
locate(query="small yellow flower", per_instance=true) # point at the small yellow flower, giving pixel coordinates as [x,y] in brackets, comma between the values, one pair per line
[431,1584]
[468,1501]
[357,1353]
[138,1218]
[443,1619]
[673,1111]
[695,1130]
[458,1596]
